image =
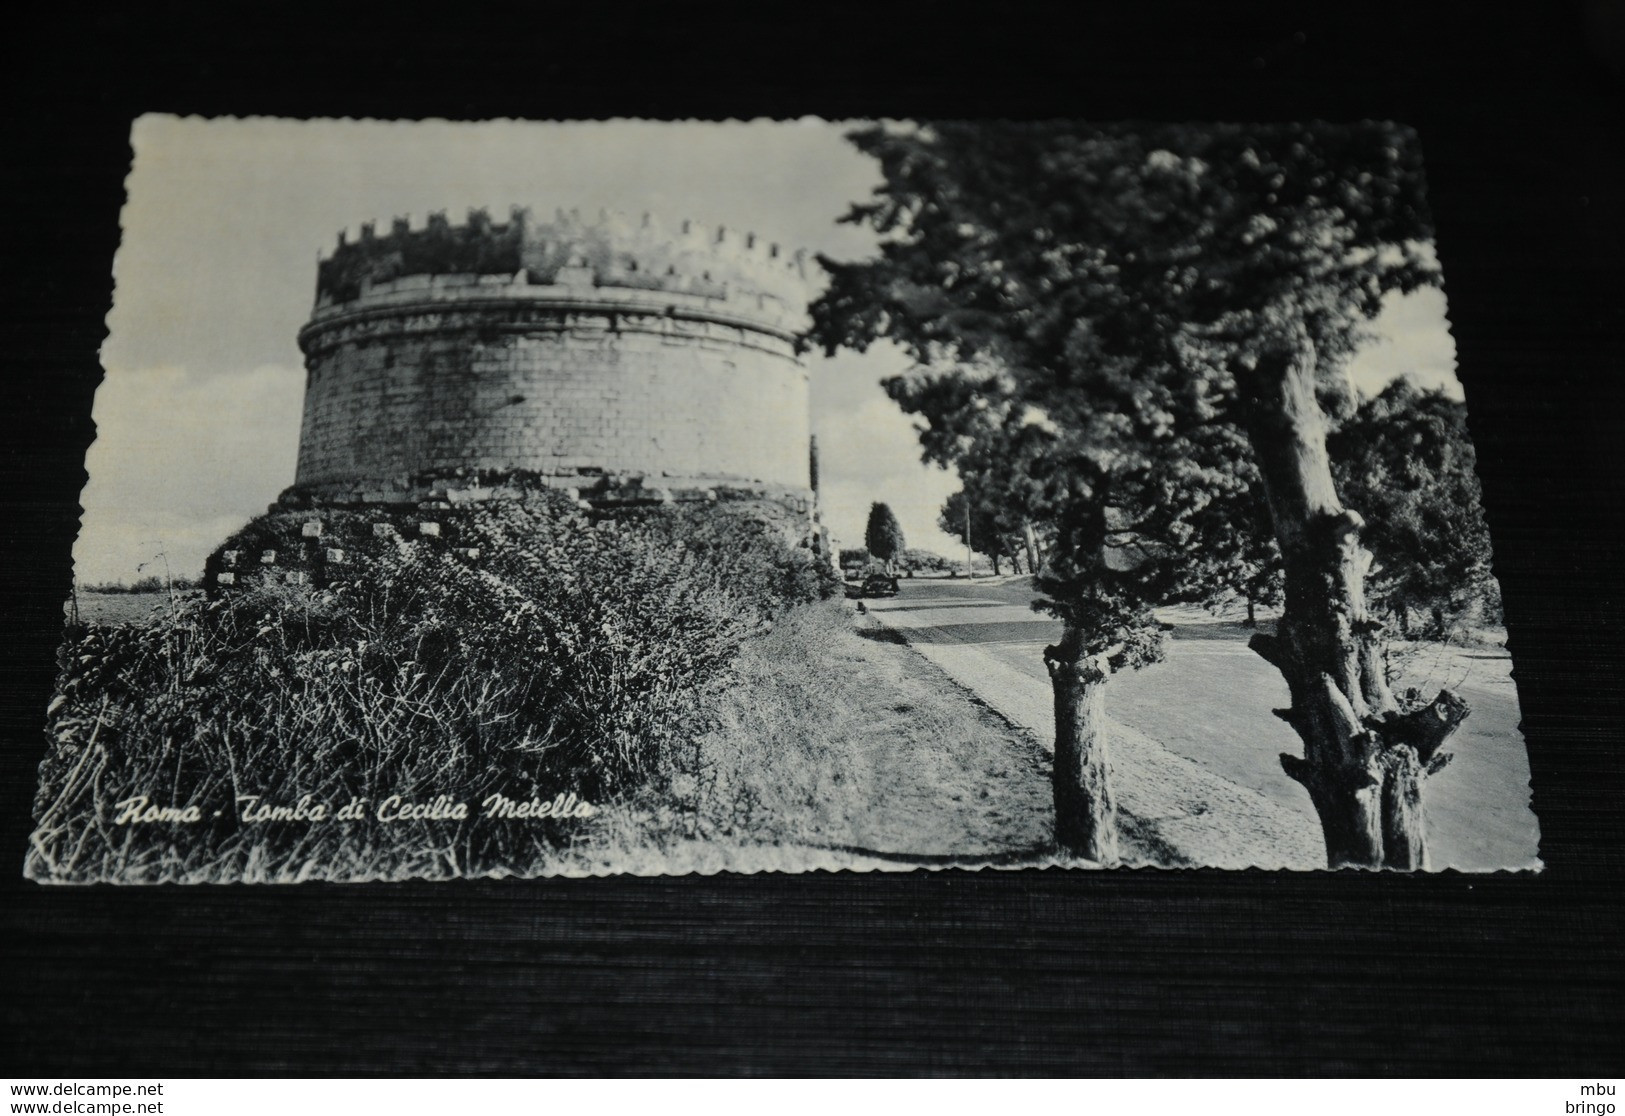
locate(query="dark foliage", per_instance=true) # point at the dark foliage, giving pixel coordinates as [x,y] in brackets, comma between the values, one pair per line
[883,535]
[1405,463]
[528,651]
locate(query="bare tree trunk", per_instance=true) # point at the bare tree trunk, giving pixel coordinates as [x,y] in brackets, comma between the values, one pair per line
[1030,539]
[995,558]
[1085,810]
[1252,619]
[1364,759]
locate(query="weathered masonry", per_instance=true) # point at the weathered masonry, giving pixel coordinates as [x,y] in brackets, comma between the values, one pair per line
[611,356]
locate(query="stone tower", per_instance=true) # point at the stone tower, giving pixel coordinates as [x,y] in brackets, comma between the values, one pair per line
[613,356]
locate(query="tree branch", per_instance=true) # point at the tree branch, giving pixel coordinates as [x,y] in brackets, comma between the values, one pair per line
[1297,768]
[1426,727]
[1346,724]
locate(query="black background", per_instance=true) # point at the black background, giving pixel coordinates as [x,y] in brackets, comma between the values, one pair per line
[1145,972]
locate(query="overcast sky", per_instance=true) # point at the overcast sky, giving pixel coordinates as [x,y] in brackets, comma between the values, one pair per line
[198,417]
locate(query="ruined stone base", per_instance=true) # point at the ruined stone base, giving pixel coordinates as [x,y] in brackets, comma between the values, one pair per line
[590,489]
[313,534]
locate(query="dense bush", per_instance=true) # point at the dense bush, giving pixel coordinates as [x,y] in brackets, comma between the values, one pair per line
[569,656]
[916,560]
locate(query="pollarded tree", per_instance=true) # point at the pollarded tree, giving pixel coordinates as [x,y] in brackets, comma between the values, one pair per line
[884,535]
[1140,285]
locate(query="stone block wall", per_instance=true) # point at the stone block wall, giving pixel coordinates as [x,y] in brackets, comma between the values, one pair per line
[616,364]
[324,545]
[560,393]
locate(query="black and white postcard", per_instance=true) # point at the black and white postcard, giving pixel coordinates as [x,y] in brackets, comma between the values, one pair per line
[524,499]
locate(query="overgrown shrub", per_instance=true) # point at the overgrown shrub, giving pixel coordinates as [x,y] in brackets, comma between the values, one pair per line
[570,655]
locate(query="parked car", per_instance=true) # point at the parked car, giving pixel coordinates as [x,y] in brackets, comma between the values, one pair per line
[880,585]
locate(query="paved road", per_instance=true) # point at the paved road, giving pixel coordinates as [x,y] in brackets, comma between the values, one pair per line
[1196,754]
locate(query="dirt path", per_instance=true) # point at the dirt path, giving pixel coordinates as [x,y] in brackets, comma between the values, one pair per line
[1196,751]
[943,780]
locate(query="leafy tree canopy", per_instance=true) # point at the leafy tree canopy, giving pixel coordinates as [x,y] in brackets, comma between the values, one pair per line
[1085,303]
[987,535]
[1405,461]
[884,535]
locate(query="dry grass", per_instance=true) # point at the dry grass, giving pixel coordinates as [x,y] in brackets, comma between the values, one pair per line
[602,660]
[573,656]
[840,748]
[123,608]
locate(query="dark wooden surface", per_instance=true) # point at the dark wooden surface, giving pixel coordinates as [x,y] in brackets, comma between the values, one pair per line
[994,972]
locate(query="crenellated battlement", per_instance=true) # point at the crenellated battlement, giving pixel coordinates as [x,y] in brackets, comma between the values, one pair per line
[578,348]
[605,249]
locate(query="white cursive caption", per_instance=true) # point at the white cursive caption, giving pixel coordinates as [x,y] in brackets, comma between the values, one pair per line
[140,811]
[252,809]
[562,806]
